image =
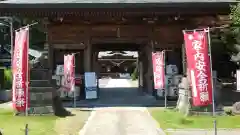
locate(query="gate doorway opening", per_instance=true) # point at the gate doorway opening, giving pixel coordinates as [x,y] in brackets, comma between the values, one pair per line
[118,69]
[117,65]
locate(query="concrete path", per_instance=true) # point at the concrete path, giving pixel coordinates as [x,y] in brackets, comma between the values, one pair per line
[113,83]
[121,121]
[103,82]
[7,105]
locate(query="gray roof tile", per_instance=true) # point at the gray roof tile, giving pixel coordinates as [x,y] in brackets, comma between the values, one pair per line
[112,1]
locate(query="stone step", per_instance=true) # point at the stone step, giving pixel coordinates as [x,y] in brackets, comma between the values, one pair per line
[40,83]
[40,89]
[41,95]
[41,110]
[41,98]
[38,110]
[40,103]
[39,74]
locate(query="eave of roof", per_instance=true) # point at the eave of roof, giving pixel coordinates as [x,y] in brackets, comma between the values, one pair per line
[112,3]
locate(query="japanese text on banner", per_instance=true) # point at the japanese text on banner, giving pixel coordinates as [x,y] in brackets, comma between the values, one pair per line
[158,70]
[199,66]
[20,71]
[69,72]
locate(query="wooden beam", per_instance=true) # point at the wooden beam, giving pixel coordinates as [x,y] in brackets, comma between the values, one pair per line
[127,59]
[68,46]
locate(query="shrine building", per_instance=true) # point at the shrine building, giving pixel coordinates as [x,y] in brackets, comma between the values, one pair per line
[88,27]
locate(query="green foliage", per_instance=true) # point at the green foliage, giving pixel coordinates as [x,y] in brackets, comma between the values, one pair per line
[7,78]
[134,75]
[37,35]
[235,14]
[235,18]
[228,39]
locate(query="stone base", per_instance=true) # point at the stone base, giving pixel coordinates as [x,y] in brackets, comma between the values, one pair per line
[5,95]
[207,110]
[218,113]
[43,110]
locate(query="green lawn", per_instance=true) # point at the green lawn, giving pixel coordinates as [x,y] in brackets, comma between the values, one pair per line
[38,125]
[43,125]
[171,119]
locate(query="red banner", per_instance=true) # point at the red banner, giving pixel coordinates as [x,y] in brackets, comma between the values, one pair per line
[69,72]
[20,92]
[158,61]
[199,67]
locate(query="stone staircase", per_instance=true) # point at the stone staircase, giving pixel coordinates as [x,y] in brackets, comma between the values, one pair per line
[40,89]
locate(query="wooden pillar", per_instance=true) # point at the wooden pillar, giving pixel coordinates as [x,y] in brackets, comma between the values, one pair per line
[49,50]
[87,50]
[147,69]
[140,71]
[87,56]
[95,66]
[50,61]
[149,49]
[184,60]
[149,74]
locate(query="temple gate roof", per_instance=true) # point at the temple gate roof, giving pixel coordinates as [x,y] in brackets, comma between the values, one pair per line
[113,1]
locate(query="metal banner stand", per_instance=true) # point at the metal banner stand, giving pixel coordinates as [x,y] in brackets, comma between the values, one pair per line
[166,84]
[213,91]
[27,77]
[74,88]
[73,78]
[27,81]
[165,91]
[207,30]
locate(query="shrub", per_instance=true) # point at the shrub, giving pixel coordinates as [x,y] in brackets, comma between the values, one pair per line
[134,75]
[7,79]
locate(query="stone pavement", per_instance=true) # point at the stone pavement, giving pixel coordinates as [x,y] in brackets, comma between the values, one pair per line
[122,112]
[121,121]
[118,83]
[7,105]
[202,132]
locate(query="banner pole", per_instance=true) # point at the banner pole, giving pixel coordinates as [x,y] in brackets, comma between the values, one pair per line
[210,56]
[165,93]
[213,91]
[27,83]
[27,26]
[12,40]
[74,88]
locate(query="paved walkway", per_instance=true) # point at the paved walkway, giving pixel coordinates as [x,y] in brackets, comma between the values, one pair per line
[125,120]
[118,83]
[7,105]
[121,121]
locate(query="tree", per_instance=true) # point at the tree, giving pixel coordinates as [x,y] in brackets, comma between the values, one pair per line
[231,36]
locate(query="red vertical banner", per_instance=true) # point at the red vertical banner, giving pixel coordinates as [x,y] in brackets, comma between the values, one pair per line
[199,67]
[158,61]
[20,92]
[69,72]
